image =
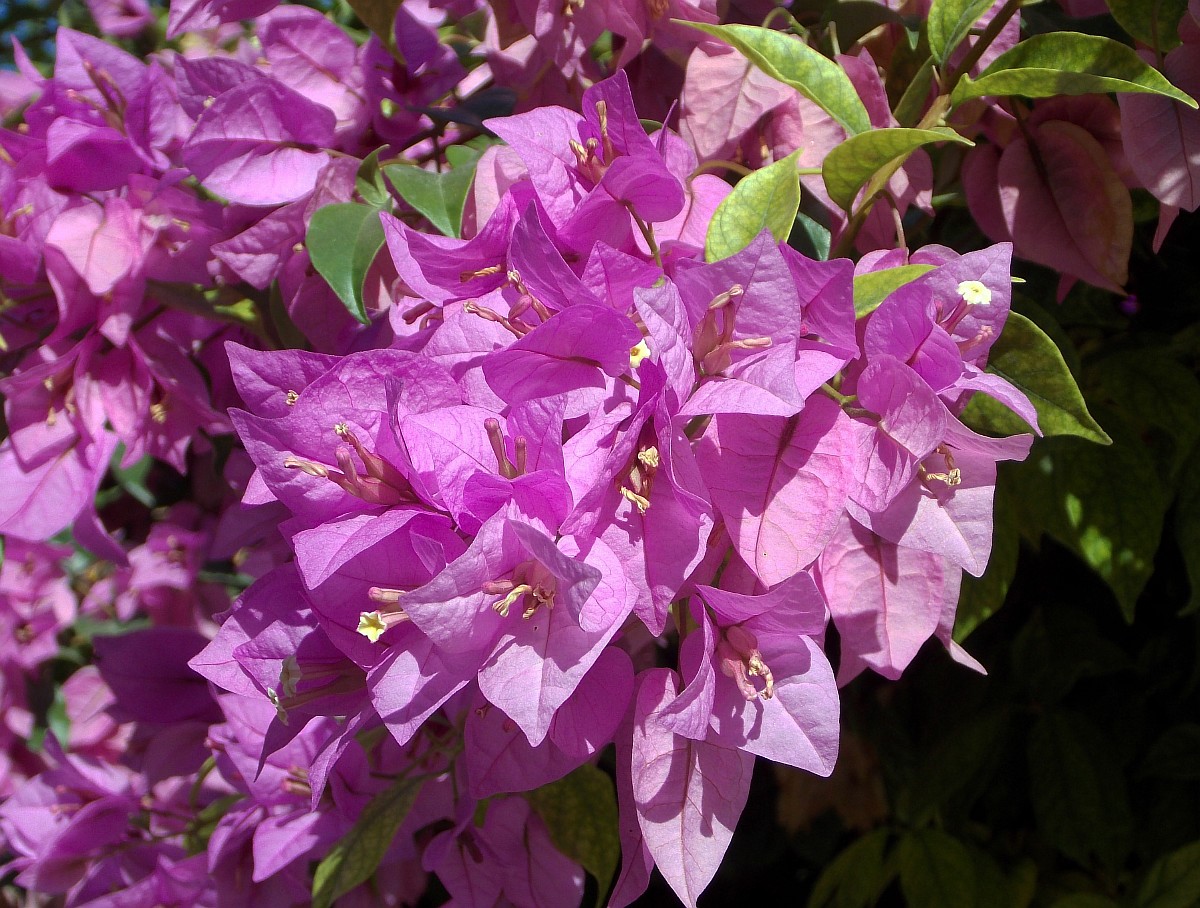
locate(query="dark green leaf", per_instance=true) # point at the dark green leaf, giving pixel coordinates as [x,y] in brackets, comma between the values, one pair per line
[1187,526]
[1085,900]
[1107,504]
[1067,63]
[916,94]
[357,854]
[957,760]
[791,61]
[1026,357]
[811,238]
[855,18]
[342,242]
[1176,754]
[767,199]
[851,164]
[1159,396]
[936,870]
[1174,881]
[369,182]
[856,877]
[1153,22]
[982,596]
[580,813]
[1079,793]
[1060,646]
[874,287]
[438,196]
[949,21]
[380,17]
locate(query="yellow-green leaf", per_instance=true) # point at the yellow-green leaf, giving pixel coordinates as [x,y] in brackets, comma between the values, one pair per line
[874,287]
[850,165]
[1153,22]
[949,21]
[357,854]
[1067,63]
[767,199]
[791,61]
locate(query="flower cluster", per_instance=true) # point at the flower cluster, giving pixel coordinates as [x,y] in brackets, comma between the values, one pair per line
[575,494]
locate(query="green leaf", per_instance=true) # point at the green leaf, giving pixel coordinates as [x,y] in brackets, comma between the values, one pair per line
[355,856]
[767,199]
[1084,900]
[916,93]
[369,182]
[132,480]
[1026,356]
[439,196]
[342,242]
[1153,22]
[874,287]
[856,877]
[949,21]
[1173,881]
[981,597]
[1107,504]
[936,870]
[380,17]
[852,163]
[964,756]
[794,63]
[1175,755]
[580,813]
[855,18]
[1187,526]
[1078,790]
[810,237]
[57,720]
[1159,396]
[1067,63]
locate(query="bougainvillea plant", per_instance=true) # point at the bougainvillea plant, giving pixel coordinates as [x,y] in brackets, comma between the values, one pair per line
[447,445]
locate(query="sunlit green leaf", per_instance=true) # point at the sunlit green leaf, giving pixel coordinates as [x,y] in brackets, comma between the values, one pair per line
[1067,63]
[1153,22]
[873,287]
[794,63]
[949,21]
[849,166]
[767,199]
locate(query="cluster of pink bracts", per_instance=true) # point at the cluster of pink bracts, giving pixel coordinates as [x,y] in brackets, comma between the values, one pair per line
[573,489]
